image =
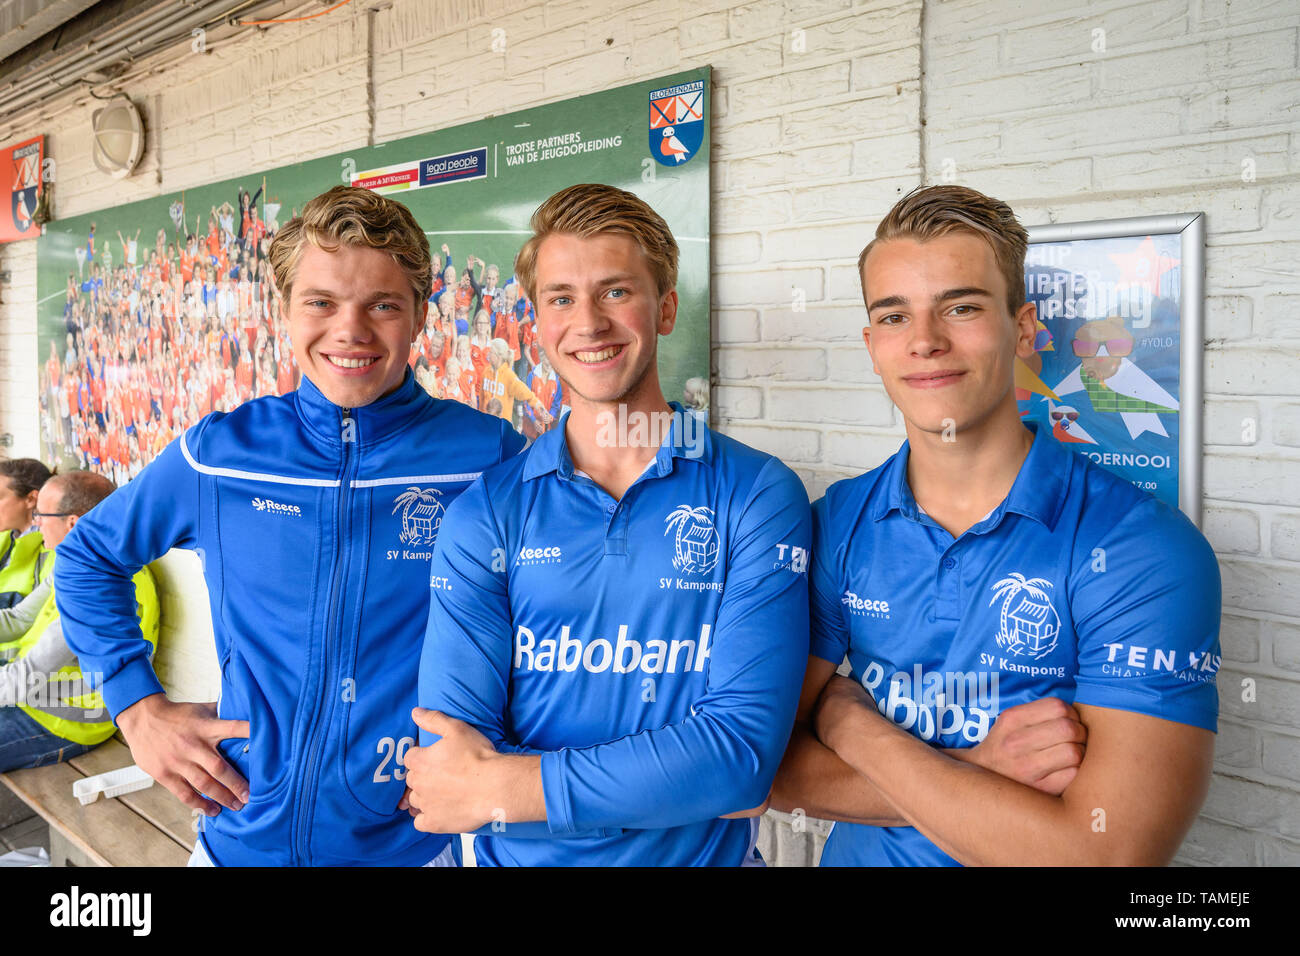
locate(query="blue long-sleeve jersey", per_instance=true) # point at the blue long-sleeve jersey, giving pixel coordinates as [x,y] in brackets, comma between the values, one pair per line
[315,526]
[650,648]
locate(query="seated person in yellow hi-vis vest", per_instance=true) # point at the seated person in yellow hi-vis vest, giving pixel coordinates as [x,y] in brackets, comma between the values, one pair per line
[24,559]
[47,712]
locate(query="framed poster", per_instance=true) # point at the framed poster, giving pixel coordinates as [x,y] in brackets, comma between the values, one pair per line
[153,314]
[1117,367]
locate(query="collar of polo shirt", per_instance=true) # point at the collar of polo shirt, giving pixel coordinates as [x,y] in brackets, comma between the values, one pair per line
[550,452]
[1039,490]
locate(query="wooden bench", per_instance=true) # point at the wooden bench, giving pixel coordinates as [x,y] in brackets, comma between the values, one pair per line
[149,827]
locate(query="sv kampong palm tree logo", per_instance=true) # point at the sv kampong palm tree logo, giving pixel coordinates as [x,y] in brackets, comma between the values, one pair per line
[1028,624]
[421,516]
[695,547]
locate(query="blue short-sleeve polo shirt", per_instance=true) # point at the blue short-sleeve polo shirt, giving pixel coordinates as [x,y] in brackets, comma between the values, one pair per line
[1077,586]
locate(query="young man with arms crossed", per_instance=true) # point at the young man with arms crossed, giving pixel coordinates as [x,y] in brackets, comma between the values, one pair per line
[314,515]
[618,627]
[1033,641]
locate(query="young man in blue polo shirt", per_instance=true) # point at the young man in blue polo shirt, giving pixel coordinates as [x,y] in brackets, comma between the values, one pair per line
[1033,641]
[619,619]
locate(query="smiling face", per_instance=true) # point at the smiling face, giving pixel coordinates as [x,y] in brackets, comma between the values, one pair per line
[352,319]
[940,334]
[599,316]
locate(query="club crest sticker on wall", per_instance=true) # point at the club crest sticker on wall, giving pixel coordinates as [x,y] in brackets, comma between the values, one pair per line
[677,122]
[421,516]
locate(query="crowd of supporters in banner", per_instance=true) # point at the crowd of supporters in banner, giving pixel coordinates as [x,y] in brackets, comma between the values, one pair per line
[156,338]
[479,346]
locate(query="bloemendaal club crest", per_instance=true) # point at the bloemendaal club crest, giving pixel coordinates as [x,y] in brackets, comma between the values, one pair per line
[27,175]
[695,548]
[421,516]
[1028,624]
[677,122]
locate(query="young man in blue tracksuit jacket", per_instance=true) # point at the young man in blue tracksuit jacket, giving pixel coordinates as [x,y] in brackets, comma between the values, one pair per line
[620,615]
[314,514]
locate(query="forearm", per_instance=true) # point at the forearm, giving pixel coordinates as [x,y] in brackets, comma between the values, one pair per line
[694,770]
[13,682]
[47,657]
[522,393]
[974,815]
[514,790]
[15,621]
[12,625]
[98,612]
[517,803]
[813,778]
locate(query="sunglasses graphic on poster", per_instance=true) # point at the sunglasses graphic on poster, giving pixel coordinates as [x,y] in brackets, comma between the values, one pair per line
[1115,372]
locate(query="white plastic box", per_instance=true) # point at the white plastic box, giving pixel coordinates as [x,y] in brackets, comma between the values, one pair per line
[111,784]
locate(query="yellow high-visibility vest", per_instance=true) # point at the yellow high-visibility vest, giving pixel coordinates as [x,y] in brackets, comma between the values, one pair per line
[65,705]
[24,563]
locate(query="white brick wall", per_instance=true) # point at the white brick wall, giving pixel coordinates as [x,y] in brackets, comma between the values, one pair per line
[817,130]
[19,411]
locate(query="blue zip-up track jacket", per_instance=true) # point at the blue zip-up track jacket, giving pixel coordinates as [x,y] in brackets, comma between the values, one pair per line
[315,525]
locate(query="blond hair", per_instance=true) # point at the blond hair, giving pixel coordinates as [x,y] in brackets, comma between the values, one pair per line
[929,212]
[588,209]
[348,215]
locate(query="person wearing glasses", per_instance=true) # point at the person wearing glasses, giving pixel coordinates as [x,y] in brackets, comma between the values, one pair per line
[47,713]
